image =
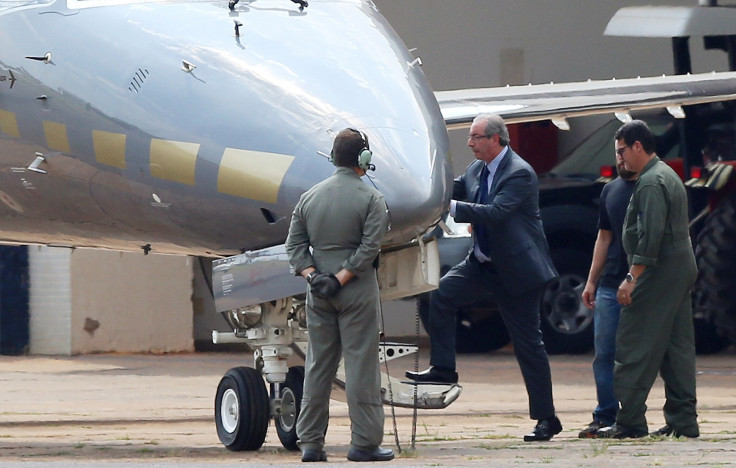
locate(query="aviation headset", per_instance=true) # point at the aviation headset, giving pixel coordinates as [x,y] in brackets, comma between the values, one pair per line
[364,154]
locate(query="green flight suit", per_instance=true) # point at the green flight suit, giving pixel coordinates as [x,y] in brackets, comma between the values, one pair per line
[340,223]
[655,332]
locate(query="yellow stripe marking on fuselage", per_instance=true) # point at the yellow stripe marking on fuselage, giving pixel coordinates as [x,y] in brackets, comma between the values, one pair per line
[56,137]
[252,174]
[9,124]
[109,148]
[174,160]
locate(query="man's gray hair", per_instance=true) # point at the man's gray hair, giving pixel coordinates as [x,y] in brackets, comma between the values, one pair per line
[495,126]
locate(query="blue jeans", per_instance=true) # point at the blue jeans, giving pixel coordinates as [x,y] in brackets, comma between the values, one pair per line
[606,315]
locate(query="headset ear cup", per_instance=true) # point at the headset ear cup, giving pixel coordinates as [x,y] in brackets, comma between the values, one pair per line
[364,159]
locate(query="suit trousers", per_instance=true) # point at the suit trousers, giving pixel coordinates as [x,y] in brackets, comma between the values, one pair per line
[470,281]
[344,325]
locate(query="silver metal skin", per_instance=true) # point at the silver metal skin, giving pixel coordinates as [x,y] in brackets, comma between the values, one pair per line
[158,125]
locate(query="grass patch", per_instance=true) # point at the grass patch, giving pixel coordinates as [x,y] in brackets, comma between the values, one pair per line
[597,448]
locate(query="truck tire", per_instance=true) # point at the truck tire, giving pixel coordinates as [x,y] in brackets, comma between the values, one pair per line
[716,259]
[480,328]
[567,325]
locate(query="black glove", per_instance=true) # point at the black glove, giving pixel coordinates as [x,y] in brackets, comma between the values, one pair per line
[325,285]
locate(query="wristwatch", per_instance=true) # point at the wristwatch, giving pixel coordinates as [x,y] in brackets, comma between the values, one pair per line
[630,278]
[311,276]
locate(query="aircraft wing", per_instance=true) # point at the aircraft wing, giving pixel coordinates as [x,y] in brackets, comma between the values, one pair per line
[557,102]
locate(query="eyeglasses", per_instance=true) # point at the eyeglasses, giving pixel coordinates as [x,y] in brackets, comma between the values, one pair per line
[620,151]
[478,137]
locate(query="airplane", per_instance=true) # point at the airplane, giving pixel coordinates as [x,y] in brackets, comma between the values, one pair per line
[191,127]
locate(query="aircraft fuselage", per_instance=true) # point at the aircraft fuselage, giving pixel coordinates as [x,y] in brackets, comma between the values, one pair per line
[128,124]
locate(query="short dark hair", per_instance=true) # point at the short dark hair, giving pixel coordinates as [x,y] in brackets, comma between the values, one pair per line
[347,146]
[495,126]
[637,130]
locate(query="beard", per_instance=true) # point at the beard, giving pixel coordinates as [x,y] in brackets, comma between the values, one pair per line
[623,173]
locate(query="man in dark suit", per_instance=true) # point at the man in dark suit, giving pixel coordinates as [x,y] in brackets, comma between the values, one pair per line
[510,262]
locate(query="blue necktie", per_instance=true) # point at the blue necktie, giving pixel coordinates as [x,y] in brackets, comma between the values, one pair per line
[480,229]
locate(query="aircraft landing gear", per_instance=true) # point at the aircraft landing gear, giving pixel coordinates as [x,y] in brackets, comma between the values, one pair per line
[243,406]
[264,305]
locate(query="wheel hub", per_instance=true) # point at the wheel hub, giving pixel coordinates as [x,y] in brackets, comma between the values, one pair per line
[567,313]
[229,411]
[287,414]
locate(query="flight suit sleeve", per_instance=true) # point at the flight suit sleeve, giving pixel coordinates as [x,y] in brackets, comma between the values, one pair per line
[650,223]
[297,242]
[374,229]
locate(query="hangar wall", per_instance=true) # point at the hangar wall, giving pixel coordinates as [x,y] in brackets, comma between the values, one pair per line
[88,301]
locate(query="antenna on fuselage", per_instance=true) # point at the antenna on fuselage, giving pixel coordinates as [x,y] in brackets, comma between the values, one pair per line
[302,4]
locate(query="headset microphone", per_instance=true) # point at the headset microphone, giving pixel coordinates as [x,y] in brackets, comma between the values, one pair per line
[365,154]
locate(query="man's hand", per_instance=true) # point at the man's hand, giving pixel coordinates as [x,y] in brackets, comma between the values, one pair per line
[624,293]
[325,285]
[589,296]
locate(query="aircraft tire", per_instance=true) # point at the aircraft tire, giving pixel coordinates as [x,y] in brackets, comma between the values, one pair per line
[715,254]
[242,409]
[566,323]
[291,402]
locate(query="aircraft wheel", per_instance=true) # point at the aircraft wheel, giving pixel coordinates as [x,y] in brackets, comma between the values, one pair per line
[242,409]
[291,402]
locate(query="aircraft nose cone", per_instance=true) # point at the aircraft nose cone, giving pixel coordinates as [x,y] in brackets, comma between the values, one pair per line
[414,175]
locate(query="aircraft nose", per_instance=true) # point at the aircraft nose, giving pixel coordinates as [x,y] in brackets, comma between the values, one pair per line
[414,175]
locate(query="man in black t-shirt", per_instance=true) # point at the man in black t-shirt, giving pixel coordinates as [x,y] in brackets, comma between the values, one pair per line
[608,269]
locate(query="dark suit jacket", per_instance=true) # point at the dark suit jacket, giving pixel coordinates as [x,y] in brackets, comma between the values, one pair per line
[516,239]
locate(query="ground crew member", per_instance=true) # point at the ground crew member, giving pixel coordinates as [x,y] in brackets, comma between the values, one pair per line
[655,333]
[334,239]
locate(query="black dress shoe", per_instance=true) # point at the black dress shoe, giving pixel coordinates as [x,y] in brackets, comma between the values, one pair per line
[433,375]
[311,455]
[668,430]
[617,431]
[544,430]
[377,454]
